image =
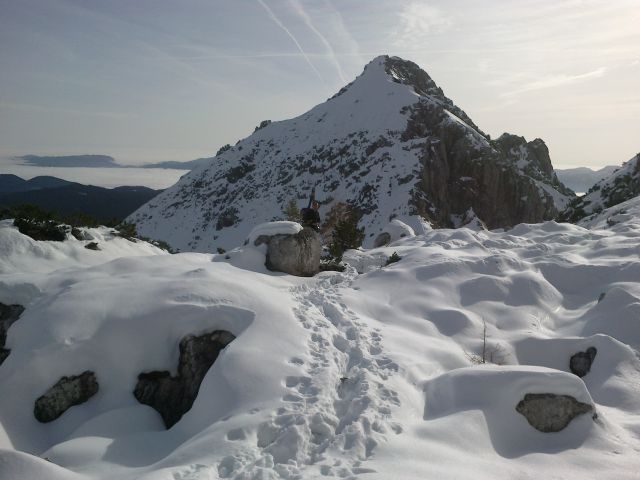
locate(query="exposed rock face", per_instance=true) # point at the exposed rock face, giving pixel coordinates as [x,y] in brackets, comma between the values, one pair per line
[505,182]
[580,363]
[548,412]
[67,392]
[8,315]
[171,396]
[297,254]
[388,145]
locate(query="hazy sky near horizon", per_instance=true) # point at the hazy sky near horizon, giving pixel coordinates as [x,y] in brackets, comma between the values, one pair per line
[154,80]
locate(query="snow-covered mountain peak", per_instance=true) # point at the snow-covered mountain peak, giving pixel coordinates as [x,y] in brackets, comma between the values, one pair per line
[388,145]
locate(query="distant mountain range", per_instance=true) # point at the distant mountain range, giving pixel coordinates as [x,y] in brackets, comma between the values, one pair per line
[68,198]
[582,179]
[190,165]
[13,183]
[622,185]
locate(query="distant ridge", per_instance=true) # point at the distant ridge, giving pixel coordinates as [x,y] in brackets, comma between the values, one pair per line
[12,183]
[68,198]
[582,179]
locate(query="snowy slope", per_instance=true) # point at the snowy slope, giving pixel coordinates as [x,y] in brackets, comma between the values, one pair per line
[344,375]
[622,185]
[388,144]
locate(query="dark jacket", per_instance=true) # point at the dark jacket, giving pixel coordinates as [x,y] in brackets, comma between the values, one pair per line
[310,218]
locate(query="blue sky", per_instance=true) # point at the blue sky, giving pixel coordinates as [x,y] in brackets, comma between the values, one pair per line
[145,80]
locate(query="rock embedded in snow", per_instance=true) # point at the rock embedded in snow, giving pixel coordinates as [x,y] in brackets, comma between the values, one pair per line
[549,412]
[580,363]
[395,230]
[297,254]
[67,392]
[171,396]
[8,315]
[92,246]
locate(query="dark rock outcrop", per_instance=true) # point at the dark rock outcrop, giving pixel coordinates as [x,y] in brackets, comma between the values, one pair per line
[549,412]
[67,392]
[297,254]
[580,363]
[502,180]
[171,396]
[8,315]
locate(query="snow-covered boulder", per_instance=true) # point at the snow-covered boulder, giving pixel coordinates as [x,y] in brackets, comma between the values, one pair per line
[498,390]
[392,232]
[290,248]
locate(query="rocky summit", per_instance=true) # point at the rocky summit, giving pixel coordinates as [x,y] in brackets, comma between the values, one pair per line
[389,145]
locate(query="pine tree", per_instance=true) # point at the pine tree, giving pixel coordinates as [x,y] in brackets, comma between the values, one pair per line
[346,235]
[291,211]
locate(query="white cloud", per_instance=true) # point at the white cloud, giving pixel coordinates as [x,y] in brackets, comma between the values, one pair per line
[417,21]
[293,38]
[552,81]
[299,9]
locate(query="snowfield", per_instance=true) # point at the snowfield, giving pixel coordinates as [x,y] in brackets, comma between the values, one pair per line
[370,373]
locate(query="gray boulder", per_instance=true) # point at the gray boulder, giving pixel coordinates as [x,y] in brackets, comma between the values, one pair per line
[171,396]
[8,315]
[381,240]
[67,392]
[297,254]
[580,363]
[549,412]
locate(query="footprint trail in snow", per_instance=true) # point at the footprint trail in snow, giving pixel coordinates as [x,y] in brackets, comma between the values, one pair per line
[339,410]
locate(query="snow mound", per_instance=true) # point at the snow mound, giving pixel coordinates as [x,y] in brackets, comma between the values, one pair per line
[20,253]
[614,375]
[343,375]
[495,391]
[270,229]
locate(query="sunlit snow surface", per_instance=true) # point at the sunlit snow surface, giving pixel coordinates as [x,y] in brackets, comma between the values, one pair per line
[361,374]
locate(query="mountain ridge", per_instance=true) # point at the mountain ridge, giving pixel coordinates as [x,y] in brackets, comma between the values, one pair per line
[389,144]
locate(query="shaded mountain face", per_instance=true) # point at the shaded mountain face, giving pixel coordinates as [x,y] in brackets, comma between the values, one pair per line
[622,185]
[73,198]
[12,183]
[389,144]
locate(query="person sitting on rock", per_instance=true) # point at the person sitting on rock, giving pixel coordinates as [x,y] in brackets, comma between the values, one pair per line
[310,215]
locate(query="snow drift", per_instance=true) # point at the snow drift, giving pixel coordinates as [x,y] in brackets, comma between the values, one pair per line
[343,375]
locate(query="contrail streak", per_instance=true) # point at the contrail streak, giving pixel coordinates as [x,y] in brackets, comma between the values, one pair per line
[281,25]
[307,20]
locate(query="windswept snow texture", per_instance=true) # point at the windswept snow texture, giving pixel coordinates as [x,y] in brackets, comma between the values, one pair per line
[369,146]
[370,373]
